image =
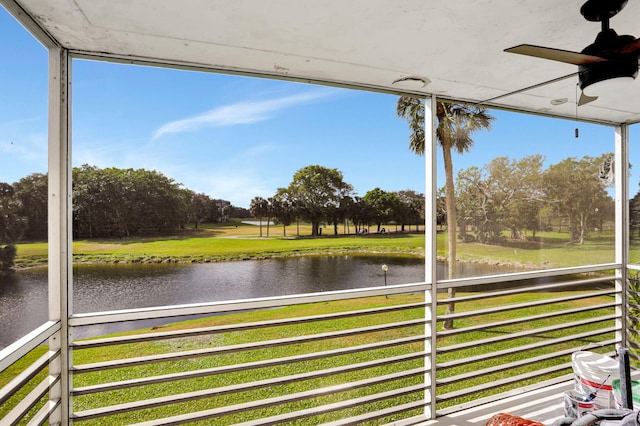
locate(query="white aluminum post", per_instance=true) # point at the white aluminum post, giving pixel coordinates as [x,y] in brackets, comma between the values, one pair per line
[60,280]
[430,249]
[59,214]
[621,173]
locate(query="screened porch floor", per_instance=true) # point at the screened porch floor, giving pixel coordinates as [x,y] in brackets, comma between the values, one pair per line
[542,405]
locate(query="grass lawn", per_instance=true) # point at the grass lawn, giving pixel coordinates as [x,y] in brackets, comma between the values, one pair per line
[226,242]
[549,250]
[237,241]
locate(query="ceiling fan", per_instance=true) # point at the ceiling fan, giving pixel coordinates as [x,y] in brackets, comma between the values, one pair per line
[610,56]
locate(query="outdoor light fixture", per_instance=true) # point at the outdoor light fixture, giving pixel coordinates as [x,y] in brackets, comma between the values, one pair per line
[385,268]
[601,78]
[412,82]
[615,84]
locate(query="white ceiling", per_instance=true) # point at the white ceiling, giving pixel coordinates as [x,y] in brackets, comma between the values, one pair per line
[456,44]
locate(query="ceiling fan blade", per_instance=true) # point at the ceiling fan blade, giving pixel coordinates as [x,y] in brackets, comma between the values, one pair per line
[559,55]
[631,48]
[584,99]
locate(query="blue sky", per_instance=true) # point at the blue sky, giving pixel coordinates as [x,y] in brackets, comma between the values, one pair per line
[235,137]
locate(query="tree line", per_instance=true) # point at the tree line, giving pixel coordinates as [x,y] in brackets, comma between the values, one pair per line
[513,196]
[319,194]
[122,203]
[107,203]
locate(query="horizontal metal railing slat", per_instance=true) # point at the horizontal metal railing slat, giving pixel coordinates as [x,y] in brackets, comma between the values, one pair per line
[28,402]
[524,348]
[26,344]
[342,406]
[480,281]
[162,335]
[299,396]
[42,416]
[208,414]
[213,308]
[539,388]
[246,366]
[518,306]
[502,367]
[503,382]
[207,393]
[520,290]
[25,376]
[106,365]
[553,314]
[526,333]
[375,415]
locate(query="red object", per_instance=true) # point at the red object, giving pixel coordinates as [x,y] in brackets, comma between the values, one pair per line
[504,419]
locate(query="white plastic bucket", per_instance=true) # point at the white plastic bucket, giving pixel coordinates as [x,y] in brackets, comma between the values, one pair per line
[594,373]
[575,405]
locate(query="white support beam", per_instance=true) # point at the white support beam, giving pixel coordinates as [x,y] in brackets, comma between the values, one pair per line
[430,248]
[59,222]
[621,173]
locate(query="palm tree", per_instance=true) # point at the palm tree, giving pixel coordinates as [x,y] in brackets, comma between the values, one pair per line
[258,208]
[455,124]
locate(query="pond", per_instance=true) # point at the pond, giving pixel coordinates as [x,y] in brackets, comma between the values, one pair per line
[23,295]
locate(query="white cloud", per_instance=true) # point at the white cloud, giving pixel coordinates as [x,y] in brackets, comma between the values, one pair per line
[240,113]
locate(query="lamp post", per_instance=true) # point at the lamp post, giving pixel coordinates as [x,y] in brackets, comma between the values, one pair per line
[385,268]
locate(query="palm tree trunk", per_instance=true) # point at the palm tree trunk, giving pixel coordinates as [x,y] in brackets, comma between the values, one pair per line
[451,229]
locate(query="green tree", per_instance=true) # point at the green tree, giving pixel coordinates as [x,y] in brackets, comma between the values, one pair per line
[344,213]
[316,190]
[385,206]
[199,207]
[283,209]
[338,213]
[259,208]
[31,191]
[413,208]
[470,202]
[116,202]
[634,216]
[270,211]
[504,194]
[11,226]
[521,183]
[441,208]
[361,214]
[576,191]
[455,125]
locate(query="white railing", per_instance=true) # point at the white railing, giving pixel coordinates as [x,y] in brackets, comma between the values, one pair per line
[338,362]
[521,333]
[26,396]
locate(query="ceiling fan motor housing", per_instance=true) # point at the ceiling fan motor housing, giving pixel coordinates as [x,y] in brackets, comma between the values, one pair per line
[616,65]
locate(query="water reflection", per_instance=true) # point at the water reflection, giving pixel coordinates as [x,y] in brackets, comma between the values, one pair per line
[23,296]
[105,287]
[23,303]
